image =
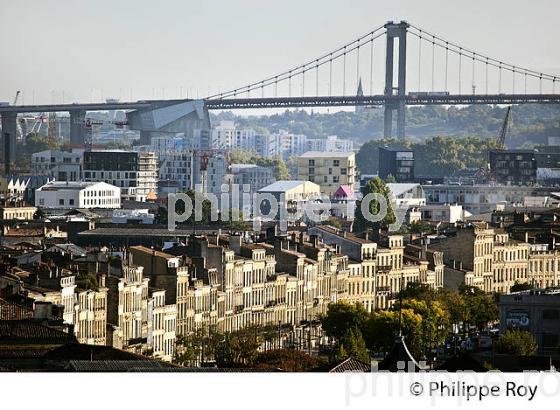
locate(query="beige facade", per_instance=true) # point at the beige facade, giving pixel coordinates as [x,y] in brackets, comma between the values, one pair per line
[493,262]
[328,169]
[378,271]
[90,324]
[17,212]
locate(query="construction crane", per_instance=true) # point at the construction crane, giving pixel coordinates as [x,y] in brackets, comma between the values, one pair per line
[21,137]
[52,129]
[505,129]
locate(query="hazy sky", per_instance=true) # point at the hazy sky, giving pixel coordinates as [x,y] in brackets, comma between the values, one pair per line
[84,49]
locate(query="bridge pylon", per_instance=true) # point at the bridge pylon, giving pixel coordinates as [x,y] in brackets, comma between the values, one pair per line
[395,31]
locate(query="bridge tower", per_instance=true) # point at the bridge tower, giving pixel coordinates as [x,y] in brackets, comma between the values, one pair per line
[396,93]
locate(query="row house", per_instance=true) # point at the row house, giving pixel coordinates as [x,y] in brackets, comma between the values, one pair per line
[378,270]
[492,261]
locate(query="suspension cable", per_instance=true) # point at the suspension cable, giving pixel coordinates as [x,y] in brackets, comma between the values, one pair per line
[419,58]
[317,80]
[358,66]
[473,76]
[433,64]
[460,69]
[371,69]
[446,67]
[324,59]
[492,61]
[344,75]
[330,76]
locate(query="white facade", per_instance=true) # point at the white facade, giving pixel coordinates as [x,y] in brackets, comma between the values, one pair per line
[61,165]
[227,135]
[330,144]
[444,213]
[123,216]
[71,195]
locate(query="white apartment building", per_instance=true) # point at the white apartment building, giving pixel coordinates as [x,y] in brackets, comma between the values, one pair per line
[61,165]
[227,135]
[330,144]
[71,195]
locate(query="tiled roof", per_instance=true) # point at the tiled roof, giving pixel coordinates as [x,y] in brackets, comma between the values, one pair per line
[116,365]
[31,332]
[351,365]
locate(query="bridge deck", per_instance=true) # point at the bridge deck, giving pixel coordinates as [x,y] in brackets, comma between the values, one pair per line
[292,102]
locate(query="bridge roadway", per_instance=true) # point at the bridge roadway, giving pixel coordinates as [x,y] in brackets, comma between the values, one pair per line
[292,102]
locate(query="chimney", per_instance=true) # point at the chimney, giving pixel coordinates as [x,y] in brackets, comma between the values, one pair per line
[42,310]
[314,240]
[235,243]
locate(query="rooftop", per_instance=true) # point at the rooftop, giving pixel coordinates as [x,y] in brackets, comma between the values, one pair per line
[283,186]
[67,185]
[321,154]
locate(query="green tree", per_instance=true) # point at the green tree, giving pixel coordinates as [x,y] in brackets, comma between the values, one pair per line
[519,287]
[343,318]
[354,345]
[383,327]
[420,227]
[374,186]
[516,342]
[239,349]
[289,360]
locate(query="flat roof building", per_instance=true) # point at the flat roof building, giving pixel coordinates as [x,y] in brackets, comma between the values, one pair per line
[398,162]
[328,169]
[71,195]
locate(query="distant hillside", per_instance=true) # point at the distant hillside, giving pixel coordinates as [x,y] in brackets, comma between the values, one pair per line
[531,124]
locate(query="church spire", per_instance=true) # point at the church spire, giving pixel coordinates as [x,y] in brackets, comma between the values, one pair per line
[360,92]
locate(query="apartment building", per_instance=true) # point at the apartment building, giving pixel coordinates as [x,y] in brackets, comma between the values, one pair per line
[513,167]
[144,321]
[163,319]
[58,164]
[253,175]
[329,170]
[398,162]
[330,144]
[380,269]
[490,260]
[90,323]
[135,173]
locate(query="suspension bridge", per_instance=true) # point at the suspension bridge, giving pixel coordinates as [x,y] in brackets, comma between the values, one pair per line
[393,66]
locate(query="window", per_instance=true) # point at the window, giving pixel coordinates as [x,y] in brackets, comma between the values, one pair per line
[549,340]
[336,162]
[71,202]
[550,314]
[61,201]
